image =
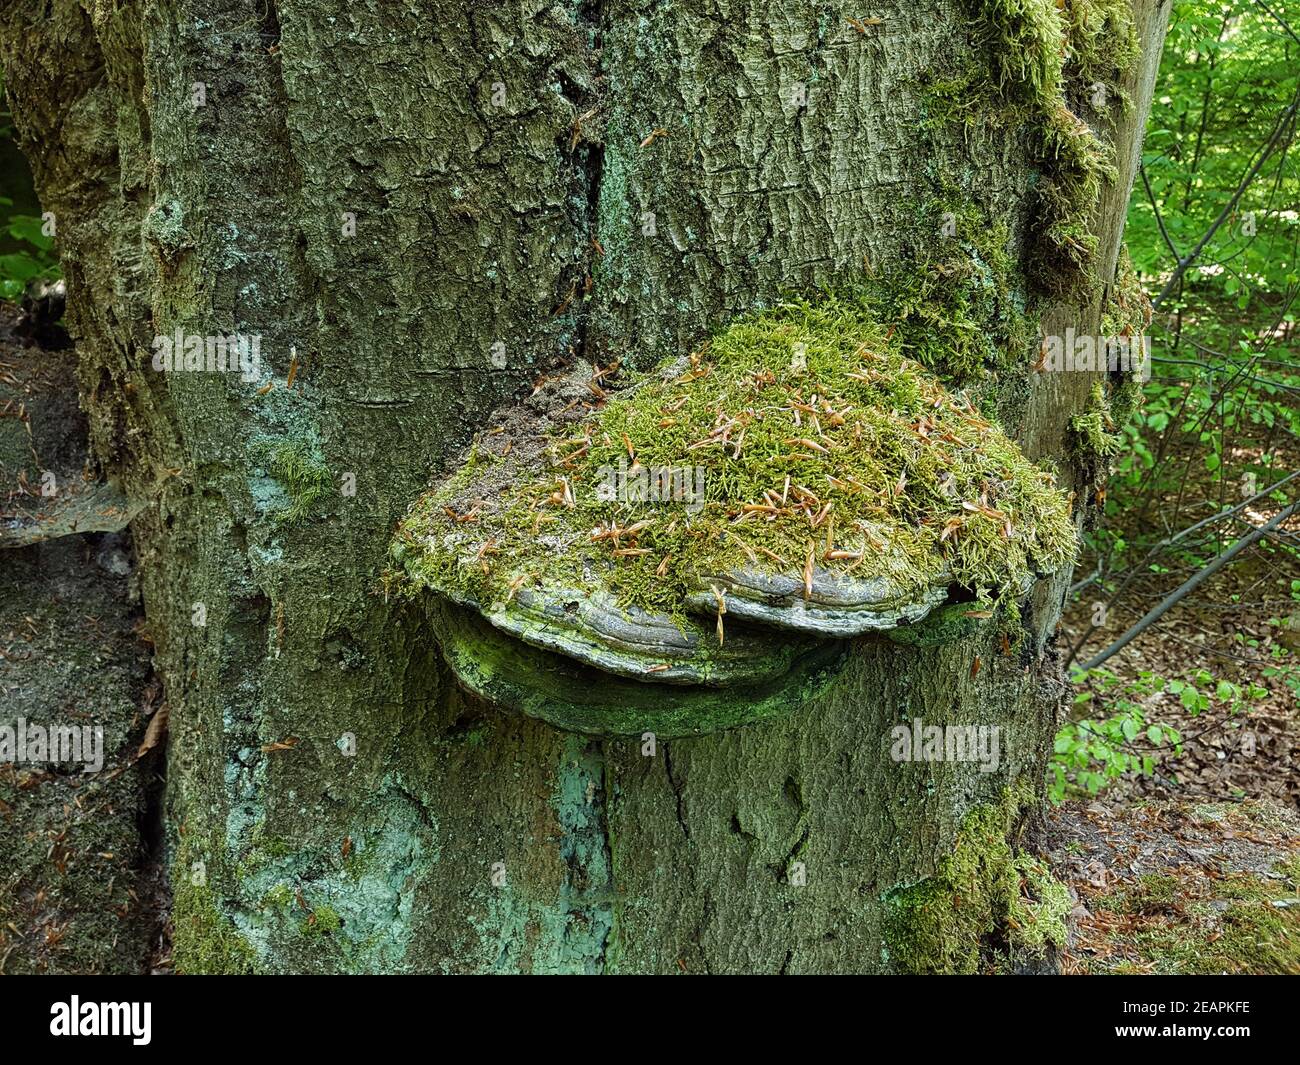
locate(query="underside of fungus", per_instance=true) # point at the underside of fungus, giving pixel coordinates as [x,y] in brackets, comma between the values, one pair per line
[709,525]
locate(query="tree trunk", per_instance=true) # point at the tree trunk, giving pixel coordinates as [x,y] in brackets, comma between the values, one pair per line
[387,195]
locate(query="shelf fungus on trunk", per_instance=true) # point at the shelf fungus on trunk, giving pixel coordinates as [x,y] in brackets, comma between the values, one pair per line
[693,548]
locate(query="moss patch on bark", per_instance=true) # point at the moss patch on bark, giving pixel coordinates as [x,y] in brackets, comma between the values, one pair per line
[1126,317]
[1092,432]
[204,941]
[300,472]
[985,891]
[1040,54]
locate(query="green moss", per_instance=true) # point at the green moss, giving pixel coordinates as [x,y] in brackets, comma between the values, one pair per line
[322,921]
[815,432]
[1025,42]
[301,472]
[1103,42]
[984,891]
[204,941]
[1092,432]
[1126,316]
[1201,925]
[262,851]
[1075,163]
[956,308]
[1036,913]
[279,897]
[947,624]
[1039,52]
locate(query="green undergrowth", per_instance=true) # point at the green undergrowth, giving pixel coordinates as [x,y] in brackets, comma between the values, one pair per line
[985,891]
[818,441]
[1241,923]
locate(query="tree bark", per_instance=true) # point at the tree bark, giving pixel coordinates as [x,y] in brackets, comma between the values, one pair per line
[336,803]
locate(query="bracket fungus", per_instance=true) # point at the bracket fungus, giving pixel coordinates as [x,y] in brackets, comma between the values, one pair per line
[695,548]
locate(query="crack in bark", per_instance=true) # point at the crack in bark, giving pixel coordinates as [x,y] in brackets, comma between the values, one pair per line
[677,794]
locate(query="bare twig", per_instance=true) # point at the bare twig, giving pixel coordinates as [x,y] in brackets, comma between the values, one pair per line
[1172,599]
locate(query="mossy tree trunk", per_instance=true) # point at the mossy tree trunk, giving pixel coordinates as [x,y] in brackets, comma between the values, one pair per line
[405,202]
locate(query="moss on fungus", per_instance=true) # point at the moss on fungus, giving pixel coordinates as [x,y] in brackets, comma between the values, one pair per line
[816,435]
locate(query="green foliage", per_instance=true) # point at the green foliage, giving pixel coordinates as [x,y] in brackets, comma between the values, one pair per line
[1227,74]
[1219,420]
[1094,749]
[34,257]
[34,261]
[1228,71]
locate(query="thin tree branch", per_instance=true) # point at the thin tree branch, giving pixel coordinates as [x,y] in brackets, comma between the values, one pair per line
[1171,600]
[1228,208]
[1169,541]
[1160,221]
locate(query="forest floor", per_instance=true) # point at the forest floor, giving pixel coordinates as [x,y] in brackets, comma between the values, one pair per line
[1193,867]
[1179,887]
[80,875]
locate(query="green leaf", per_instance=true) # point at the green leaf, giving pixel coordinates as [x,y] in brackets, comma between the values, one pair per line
[19,266]
[30,229]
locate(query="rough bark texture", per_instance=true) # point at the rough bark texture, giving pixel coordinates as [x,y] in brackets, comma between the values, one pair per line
[493,159]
